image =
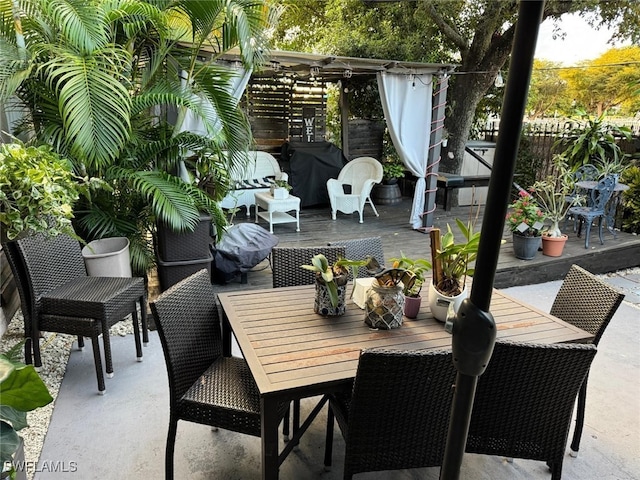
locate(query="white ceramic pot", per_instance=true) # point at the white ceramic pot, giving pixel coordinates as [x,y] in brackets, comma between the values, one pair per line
[439,303]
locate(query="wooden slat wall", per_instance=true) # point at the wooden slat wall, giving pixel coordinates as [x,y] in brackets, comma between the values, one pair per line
[365,138]
[275,108]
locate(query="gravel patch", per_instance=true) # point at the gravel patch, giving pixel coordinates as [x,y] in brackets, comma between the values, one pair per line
[55,349]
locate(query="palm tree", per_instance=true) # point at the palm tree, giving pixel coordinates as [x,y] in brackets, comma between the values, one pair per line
[107,82]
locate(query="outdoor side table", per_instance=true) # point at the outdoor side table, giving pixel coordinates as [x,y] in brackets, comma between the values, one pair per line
[275,210]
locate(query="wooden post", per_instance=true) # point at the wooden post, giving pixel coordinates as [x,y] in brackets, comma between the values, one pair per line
[344,119]
[436,263]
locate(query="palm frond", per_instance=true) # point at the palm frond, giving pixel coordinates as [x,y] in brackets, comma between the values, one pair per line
[167,198]
[94,108]
[81,22]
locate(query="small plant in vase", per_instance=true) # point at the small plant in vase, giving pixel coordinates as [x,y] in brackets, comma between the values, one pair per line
[411,289]
[331,283]
[526,221]
[280,189]
[452,263]
[553,194]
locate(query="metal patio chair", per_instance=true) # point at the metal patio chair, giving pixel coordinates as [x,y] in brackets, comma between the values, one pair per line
[588,303]
[596,208]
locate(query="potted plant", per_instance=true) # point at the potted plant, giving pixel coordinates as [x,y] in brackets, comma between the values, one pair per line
[331,283]
[525,220]
[280,189]
[451,263]
[392,170]
[37,191]
[411,289]
[21,390]
[553,194]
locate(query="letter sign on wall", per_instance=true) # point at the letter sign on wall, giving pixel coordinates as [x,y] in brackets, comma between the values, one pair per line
[308,124]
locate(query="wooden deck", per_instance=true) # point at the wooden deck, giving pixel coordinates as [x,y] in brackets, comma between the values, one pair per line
[317,228]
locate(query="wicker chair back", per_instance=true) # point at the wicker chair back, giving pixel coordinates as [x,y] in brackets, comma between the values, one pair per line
[524,401]
[286,264]
[398,414]
[360,249]
[588,303]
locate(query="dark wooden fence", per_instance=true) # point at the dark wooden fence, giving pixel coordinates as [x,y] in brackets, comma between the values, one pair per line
[542,138]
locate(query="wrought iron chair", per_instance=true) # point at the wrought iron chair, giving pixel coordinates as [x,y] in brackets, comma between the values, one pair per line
[586,172]
[524,401]
[588,303]
[398,413]
[57,296]
[595,208]
[286,272]
[360,249]
[204,386]
[358,177]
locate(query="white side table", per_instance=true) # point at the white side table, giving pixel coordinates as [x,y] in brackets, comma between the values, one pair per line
[275,209]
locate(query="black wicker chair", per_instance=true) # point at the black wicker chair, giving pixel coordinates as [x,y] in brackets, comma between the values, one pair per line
[287,272]
[286,264]
[524,401]
[57,296]
[588,303]
[204,386]
[398,414]
[360,249]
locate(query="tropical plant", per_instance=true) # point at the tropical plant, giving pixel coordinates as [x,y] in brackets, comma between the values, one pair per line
[101,79]
[37,190]
[334,275]
[593,141]
[392,169]
[553,194]
[525,218]
[631,200]
[452,262]
[418,267]
[21,390]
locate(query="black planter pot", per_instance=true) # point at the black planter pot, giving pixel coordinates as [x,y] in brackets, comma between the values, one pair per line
[526,248]
[386,194]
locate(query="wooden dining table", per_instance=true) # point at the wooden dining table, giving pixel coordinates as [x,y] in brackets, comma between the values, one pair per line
[295,353]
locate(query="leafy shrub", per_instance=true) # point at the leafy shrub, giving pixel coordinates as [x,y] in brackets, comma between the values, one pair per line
[631,200]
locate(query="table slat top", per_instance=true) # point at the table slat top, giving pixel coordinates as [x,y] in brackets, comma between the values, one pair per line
[289,347]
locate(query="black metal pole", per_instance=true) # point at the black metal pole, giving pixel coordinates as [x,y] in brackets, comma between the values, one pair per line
[473,328]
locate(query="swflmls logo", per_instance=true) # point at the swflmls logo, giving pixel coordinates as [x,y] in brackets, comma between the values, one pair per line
[58,466]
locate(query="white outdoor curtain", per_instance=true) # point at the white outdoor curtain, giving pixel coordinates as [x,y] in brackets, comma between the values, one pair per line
[192,123]
[406,101]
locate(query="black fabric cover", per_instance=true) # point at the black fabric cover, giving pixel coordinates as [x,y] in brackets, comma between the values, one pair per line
[310,166]
[242,247]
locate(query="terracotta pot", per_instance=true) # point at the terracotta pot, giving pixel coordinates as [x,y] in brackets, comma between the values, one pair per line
[553,246]
[412,306]
[439,303]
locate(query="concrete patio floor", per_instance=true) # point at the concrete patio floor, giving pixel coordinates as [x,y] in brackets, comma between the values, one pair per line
[122,434]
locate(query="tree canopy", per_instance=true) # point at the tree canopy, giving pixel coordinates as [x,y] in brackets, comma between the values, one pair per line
[478,35]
